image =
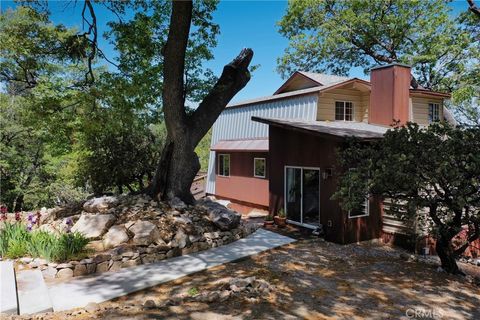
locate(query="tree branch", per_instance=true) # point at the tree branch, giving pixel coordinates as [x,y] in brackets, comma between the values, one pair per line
[234,77]
[473,8]
[92,30]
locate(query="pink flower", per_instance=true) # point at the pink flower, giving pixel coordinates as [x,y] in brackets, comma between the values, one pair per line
[3,209]
[17,216]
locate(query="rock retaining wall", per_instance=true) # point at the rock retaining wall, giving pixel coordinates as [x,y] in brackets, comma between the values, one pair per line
[135,230]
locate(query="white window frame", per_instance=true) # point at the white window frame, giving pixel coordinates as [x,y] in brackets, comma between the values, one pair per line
[306,225]
[344,110]
[367,210]
[367,205]
[264,167]
[434,105]
[220,155]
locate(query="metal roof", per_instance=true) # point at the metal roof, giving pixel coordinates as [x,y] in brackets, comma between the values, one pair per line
[340,129]
[295,93]
[324,79]
[254,145]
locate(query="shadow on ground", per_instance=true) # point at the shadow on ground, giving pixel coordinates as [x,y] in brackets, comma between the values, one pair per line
[313,280]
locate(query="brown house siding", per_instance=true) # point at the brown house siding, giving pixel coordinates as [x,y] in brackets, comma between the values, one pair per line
[294,148]
[241,185]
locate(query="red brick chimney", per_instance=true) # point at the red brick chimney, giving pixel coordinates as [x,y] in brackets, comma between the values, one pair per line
[389,97]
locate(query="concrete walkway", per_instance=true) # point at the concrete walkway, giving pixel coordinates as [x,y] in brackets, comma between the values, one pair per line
[80,291]
[8,288]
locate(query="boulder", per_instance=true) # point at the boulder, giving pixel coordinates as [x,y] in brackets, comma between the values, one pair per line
[48,228]
[96,246]
[177,204]
[144,232]
[102,267]
[65,273]
[115,236]
[49,273]
[224,218]
[93,225]
[149,304]
[80,270]
[181,239]
[101,204]
[64,265]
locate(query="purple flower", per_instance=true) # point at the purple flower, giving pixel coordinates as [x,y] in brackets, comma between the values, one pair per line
[29,227]
[69,223]
[30,217]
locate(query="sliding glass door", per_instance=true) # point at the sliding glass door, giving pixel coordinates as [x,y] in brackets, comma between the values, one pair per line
[302,195]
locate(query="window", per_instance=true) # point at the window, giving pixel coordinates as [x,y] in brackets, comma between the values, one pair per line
[343,110]
[224,165]
[433,112]
[363,210]
[259,167]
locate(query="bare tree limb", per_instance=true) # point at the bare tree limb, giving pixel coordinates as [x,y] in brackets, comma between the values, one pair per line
[473,8]
[234,77]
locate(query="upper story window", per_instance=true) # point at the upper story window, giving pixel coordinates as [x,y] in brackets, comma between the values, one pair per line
[224,165]
[433,112]
[259,167]
[343,110]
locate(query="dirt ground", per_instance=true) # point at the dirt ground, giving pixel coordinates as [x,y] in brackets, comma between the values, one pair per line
[313,279]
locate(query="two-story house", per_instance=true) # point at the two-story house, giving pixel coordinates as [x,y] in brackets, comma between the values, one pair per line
[280,151]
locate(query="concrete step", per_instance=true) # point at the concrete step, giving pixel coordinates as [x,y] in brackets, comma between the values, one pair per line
[8,288]
[33,294]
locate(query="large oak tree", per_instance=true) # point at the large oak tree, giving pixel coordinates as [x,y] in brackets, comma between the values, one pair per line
[179,163]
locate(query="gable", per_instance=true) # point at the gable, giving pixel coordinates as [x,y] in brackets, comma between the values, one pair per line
[297,81]
[304,80]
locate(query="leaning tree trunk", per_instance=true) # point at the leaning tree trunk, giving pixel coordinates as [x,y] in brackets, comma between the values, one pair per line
[179,163]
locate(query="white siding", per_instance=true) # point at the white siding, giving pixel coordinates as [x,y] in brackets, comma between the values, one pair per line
[236,123]
[420,109]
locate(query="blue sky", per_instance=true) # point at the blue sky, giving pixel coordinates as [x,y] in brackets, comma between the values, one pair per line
[242,24]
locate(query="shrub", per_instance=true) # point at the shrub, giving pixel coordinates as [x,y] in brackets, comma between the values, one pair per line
[16,241]
[193,291]
[13,240]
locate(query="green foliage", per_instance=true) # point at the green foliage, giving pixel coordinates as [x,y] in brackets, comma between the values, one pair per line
[13,240]
[203,150]
[437,168]
[16,241]
[193,291]
[334,36]
[61,139]
[140,41]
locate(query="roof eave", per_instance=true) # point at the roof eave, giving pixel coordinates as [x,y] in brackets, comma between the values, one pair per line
[426,92]
[317,133]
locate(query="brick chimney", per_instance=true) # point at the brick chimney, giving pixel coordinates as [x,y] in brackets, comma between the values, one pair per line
[389,97]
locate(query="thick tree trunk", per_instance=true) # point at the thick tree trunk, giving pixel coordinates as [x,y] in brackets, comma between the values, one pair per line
[179,163]
[446,253]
